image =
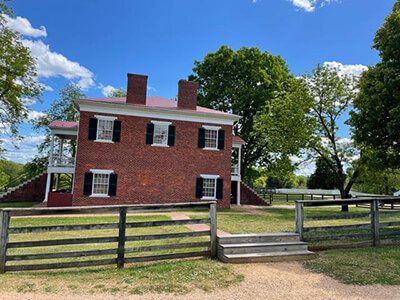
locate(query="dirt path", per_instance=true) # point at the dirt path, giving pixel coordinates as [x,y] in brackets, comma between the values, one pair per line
[262,281]
[193,227]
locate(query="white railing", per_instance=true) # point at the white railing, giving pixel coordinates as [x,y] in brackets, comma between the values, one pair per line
[62,161]
[235,170]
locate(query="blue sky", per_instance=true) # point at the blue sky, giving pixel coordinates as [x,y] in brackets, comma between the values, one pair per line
[95,43]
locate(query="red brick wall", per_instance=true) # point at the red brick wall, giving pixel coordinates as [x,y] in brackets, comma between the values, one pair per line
[149,174]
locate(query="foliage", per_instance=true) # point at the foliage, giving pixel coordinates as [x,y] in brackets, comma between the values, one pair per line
[117,93]
[13,171]
[18,79]
[323,176]
[374,180]
[332,95]
[376,115]
[257,86]
[61,109]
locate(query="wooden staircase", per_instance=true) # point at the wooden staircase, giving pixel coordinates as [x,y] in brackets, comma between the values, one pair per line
[248,248]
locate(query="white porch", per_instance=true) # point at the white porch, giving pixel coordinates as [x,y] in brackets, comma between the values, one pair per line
[237,144]
[61,155]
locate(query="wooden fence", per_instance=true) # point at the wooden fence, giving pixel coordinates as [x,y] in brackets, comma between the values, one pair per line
[374,231]
[121,238]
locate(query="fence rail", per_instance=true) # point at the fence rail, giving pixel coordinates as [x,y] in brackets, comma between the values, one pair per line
[377,229]
[121,238]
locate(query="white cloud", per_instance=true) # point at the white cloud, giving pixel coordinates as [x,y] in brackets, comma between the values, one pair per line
[53,64]
[107,90]
[307,5]
[28,101]
[27,148]
[311,5]
[151,89]
[33,115]
[353,70]
[24,27]
[46,87]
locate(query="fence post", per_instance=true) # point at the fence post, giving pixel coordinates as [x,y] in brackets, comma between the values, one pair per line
[213,230]
[121,237]
[299,219]
[375,222]
[4,224]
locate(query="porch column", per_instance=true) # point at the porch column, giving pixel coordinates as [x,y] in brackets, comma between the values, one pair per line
[240,161]
[51,149]
[238,192]
[60,150]
[48,184]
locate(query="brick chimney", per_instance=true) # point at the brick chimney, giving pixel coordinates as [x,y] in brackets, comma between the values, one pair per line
[137,89]
[187,94]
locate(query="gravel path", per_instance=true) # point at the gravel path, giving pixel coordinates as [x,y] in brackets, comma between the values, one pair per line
[262,281]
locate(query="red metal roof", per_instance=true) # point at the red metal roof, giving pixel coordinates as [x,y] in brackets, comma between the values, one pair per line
[63,124]
[157,102]
[237,140]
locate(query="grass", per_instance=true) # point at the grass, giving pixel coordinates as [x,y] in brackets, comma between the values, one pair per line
[176,277]
[365,266]
[173,277]
[17,204]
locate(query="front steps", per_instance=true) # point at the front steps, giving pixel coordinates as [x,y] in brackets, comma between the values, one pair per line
[272,247]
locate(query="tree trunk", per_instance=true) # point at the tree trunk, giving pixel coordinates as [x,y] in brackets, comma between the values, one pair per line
[345,195]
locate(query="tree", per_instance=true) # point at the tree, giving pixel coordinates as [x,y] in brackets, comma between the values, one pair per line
[61,109]
[249,83]
[323,176]
[375,119]
[332,95]
[17,78]
[117,93]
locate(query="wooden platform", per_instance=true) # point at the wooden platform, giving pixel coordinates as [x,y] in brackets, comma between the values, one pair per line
[272,247]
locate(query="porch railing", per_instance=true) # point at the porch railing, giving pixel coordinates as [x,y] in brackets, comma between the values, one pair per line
[235,170]
[62,161]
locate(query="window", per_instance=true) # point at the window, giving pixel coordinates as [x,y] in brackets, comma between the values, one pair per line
[211,136]
[105,128]
[100,184]
[160,136]
[209,187]
[159,133]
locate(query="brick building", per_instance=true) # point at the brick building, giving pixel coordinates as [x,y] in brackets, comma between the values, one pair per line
[142,149]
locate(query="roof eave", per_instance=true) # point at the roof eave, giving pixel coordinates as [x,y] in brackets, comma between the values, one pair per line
[230,117]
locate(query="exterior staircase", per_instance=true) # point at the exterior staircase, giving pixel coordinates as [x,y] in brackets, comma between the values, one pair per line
[32,190]
[272,247]
[249,196]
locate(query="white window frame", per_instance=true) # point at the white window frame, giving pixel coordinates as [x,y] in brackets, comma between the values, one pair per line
[208,176]
[215,128]
[98,172]
[104,118]
[160,123]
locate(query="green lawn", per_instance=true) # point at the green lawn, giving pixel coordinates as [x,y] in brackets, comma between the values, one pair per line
[17,204]
[364,266]
[177,277]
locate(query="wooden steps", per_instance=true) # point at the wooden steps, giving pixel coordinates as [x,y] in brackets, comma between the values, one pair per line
[247,248]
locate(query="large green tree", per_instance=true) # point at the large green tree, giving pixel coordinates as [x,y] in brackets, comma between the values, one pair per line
[376,115]
[323,176]
[332,96]
[18,78]
[255,85]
